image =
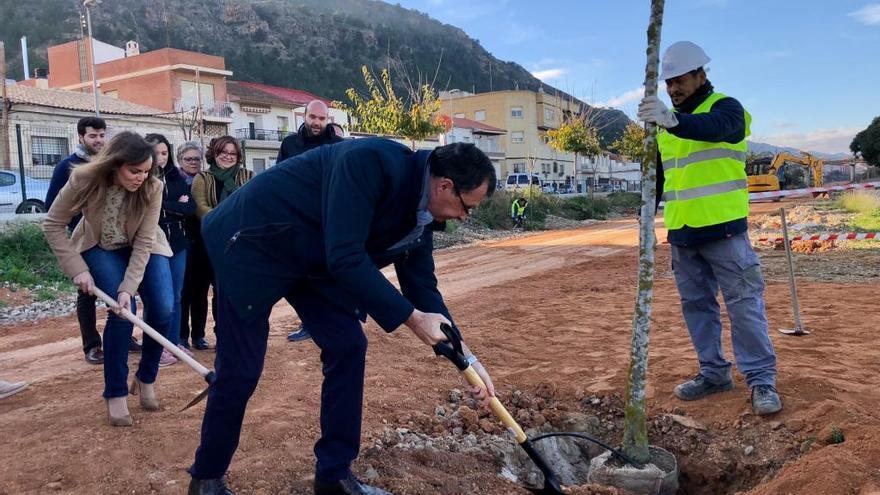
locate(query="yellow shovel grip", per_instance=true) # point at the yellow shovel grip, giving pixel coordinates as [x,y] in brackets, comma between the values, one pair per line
[497,407]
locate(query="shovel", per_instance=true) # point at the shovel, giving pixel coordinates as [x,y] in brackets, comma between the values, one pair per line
[207,374]
[452,351]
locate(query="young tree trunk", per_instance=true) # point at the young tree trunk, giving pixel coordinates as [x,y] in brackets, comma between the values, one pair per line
[635,434]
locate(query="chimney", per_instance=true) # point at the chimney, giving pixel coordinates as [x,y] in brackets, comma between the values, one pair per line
[132,49]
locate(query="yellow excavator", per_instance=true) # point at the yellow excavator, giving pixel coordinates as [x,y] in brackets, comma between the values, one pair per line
[784,171]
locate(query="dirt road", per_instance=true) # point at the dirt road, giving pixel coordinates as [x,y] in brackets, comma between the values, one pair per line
[544,312]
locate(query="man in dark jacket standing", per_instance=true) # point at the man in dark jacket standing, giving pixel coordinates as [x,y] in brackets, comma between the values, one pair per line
[702,146]
[315,131]
[92,136]
[317,229]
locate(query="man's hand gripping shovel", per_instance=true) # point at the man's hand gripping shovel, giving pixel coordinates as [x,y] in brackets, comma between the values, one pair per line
[451,349]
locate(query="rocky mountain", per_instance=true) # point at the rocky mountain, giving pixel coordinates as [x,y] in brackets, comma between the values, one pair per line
[756,147]
[316,45]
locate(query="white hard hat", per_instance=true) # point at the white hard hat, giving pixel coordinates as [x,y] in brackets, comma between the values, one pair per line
[682,57]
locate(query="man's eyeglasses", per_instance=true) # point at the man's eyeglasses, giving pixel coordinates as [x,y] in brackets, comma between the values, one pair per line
[464,207]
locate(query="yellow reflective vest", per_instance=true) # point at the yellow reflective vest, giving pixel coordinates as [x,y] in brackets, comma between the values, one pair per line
[704,183]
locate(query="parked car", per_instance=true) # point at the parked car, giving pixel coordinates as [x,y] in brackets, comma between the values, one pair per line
[10,194]
[521,181]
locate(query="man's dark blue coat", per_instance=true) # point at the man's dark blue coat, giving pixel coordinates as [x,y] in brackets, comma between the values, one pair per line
[325,221]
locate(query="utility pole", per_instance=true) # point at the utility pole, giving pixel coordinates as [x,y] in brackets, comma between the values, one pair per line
[4,118]
[199,108]
[88,4]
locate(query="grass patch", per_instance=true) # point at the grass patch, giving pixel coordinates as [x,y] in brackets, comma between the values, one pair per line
[864,202]
[26,260]
[867,222]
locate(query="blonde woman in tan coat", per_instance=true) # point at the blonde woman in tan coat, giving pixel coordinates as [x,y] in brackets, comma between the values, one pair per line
[118,248]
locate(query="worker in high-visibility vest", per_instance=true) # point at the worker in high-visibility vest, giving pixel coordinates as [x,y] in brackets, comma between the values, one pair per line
[701,173]
[518,211]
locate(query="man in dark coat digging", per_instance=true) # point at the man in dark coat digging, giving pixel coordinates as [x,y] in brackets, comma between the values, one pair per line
[316,229]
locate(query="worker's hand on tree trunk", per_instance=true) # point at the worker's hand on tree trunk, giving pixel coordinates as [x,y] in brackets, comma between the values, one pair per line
[426,326]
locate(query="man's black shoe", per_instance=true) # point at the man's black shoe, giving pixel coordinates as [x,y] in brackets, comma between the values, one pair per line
[700,386]
[348,486]
[209,487]
[95,356]
[201,344]
[135,346]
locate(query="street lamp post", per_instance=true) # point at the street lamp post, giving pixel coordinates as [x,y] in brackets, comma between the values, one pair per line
[88,4]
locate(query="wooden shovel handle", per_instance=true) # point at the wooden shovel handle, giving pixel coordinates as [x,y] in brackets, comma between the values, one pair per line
[497,407]
[173,349]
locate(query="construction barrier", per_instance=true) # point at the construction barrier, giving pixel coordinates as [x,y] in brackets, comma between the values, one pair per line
[808,191]
[848,236]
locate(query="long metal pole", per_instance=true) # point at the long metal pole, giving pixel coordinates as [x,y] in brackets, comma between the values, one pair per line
[4,116]
[92,57]
[795,305]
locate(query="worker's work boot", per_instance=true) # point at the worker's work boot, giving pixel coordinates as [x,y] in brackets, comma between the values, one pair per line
[348,486]
[765,400]
[215,486]
[700,386]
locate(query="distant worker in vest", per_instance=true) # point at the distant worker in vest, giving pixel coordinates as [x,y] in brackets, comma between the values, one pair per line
[518,212]
[317,130]
[702,145]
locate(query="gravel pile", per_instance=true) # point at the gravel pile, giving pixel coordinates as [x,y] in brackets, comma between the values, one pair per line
[63,305]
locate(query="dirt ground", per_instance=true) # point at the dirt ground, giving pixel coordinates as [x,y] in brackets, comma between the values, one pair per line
[549,315]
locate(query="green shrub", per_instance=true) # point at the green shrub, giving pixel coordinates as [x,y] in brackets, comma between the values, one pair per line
[585,208]
[626,201]
[26,260]
[836,436]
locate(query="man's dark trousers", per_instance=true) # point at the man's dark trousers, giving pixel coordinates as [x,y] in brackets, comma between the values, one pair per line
[241,349]
[87,317]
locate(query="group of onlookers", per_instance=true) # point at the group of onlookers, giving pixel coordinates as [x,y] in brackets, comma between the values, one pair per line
[125,217]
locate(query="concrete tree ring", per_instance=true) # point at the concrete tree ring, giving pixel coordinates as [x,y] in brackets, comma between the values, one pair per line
[659,477]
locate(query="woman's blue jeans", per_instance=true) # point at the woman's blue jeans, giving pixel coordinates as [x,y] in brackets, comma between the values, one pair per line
[108,269]
[177,264]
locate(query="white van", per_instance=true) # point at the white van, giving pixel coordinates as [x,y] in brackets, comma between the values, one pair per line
[521,181]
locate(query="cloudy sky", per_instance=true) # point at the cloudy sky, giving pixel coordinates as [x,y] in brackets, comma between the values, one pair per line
[806,70]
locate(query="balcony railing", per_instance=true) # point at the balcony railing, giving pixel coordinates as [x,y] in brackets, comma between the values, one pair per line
[261,134]
[217,109]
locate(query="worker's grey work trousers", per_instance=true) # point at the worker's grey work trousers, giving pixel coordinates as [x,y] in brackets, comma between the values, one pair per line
[732,265]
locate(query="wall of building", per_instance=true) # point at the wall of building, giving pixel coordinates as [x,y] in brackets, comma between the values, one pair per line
[532,154]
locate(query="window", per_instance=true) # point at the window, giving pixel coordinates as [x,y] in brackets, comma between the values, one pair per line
[555,167]
[459,115]
[47,150]
[516,112]
[7,179]
[549,115]
[259,165]
[519,167]
[283,124]
[480,115]
[188,93]
[517,137]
